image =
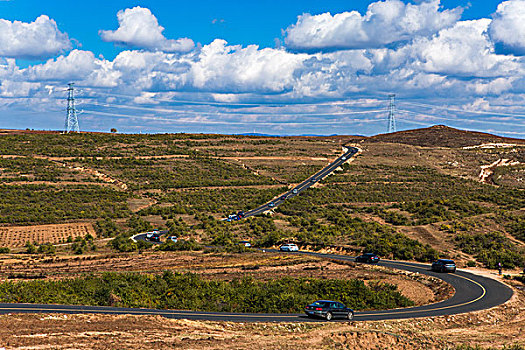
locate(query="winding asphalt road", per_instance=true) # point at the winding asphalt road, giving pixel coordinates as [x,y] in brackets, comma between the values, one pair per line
[306,184]
[472,292]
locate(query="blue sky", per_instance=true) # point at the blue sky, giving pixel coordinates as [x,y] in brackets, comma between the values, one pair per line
[243,22]
[276,67]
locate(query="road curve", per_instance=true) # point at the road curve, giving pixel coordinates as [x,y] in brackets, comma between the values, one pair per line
[472,293]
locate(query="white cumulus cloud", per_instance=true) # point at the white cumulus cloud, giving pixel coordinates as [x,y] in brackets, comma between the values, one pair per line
[236,69]
[385,22]
[75,66]
[508,26]
[38,39]
[465,50]
[139,28]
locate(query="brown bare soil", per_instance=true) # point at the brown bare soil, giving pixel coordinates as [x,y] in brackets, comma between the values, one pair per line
[503,325]
[429,234]
[137,204]
[17,236]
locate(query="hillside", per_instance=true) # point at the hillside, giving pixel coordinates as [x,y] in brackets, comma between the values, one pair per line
[396,198]
[441,136]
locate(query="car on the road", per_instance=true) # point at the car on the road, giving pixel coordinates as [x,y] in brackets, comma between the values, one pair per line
[444,265]
[172,239]
[271,204]
[241,214]
[294,191]
[343,158]
[289,247]
[367,258]
[329,309]
[283,197]
[313,180]
[233,217]
[155,237]
[247,244]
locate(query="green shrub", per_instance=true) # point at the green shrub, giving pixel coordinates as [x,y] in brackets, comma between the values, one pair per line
[46,248]
[106,228]
[30,248]
[180,245]
[491,249]
[192,292]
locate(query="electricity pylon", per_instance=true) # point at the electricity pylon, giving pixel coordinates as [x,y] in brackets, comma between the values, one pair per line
[391,113]
[71,124]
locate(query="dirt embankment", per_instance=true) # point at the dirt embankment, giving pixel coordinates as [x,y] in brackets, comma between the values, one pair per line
[487,171]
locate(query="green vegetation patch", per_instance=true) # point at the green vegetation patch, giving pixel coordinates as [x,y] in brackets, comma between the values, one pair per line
[514,223]
[192,292]
[28,169]
[226,200]
[196,171]
[370,236]
[491,249]
[41,204]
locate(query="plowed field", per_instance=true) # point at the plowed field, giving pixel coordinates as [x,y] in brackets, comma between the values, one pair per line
[17,236]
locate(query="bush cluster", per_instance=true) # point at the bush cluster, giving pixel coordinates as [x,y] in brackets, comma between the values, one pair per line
[41,204]
[491,249]
[192,292]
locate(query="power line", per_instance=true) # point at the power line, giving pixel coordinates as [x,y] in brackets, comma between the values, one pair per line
[456,119]
[463,110]
[221,103]
[409,121]
[170,110]
[226,122]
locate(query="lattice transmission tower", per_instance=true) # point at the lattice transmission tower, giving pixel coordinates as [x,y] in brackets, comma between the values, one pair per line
[71,124]
[391,113]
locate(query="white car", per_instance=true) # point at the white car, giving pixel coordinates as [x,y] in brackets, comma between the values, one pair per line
[245,243]
[289,247]
[271,204]
[294,191]
[343,158]
[172,238]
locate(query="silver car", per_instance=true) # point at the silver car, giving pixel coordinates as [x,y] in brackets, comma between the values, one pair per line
[289,247]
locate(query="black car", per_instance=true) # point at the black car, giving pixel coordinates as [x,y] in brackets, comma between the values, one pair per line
[368,258]
[329,309]
[444,265]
